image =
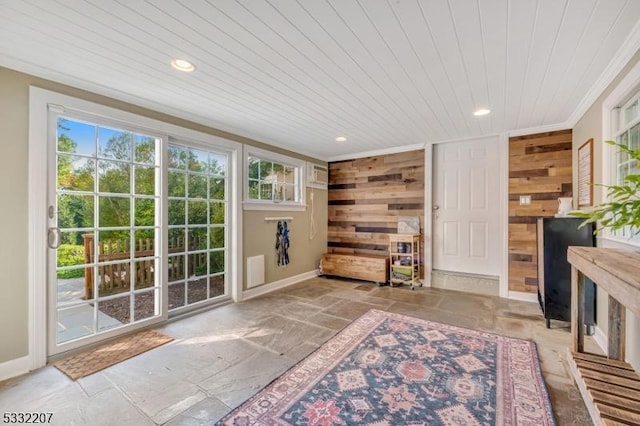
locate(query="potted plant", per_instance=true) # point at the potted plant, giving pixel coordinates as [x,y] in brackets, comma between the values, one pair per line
[623,207]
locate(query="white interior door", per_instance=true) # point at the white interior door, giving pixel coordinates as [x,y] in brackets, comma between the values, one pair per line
[466,207]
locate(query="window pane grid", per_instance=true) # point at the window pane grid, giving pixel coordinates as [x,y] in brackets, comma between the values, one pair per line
[629,136]
[197,207]
[271,181]
[81,156]
[114,175]
[107,201]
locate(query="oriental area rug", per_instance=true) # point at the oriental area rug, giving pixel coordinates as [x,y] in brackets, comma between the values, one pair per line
[390,369]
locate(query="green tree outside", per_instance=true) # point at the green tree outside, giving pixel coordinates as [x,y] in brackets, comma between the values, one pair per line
[201,174]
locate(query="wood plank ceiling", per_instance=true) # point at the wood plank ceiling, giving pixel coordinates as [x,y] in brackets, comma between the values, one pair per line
[296,74]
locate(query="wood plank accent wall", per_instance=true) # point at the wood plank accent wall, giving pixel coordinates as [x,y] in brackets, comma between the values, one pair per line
[366,195]
[540,166]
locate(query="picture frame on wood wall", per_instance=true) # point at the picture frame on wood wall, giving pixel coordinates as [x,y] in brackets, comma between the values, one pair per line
[409,225]
[585,174]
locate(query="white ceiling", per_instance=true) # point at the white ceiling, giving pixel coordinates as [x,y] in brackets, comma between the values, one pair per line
[298,73]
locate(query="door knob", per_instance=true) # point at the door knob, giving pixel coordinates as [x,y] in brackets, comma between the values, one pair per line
[436,208]
[54,237]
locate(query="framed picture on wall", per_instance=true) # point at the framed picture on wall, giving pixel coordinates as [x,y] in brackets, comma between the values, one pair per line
[585,174]
[408,225]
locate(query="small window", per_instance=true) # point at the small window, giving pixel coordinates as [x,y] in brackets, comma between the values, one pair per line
[273,181]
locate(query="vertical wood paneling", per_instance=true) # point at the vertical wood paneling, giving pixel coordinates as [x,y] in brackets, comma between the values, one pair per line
[366,196]
[539,166]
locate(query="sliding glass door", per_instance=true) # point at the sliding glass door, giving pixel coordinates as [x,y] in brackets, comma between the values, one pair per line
[104,230]
[138,228]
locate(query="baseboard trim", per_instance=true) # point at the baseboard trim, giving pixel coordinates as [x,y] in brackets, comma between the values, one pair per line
[14,367]
[487,285]
[524,297]
[276,285]
[601,339]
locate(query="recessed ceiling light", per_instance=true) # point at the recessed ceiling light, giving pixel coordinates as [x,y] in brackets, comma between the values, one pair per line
[182,65]
[341,139]
[481,112]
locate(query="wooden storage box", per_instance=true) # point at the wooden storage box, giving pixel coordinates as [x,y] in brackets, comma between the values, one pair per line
[360,266]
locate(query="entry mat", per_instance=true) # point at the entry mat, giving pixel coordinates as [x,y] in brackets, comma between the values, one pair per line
[101,357]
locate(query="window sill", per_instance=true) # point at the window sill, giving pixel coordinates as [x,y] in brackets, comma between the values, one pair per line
[291,207]
[619,242]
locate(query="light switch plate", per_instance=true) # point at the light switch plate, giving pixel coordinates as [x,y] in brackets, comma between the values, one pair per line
[525,200]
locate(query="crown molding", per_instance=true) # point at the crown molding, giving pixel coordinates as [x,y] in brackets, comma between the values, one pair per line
[385,151]
[538,129]
[467,138]
[613,69]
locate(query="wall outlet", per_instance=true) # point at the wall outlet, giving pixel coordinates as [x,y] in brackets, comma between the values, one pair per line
[525,200]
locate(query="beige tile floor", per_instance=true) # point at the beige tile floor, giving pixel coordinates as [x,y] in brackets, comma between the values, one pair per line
[221,357]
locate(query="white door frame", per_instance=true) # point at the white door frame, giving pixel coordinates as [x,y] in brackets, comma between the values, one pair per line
[39,102]
[428,209]
[503,141]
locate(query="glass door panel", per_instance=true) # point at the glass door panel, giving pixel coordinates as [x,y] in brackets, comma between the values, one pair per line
[106,200]
[198,219]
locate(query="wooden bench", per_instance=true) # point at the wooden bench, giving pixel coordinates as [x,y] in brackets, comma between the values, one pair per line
[609,386]
[366,267]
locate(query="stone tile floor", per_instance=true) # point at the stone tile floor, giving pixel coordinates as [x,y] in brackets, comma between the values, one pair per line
[222,357]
